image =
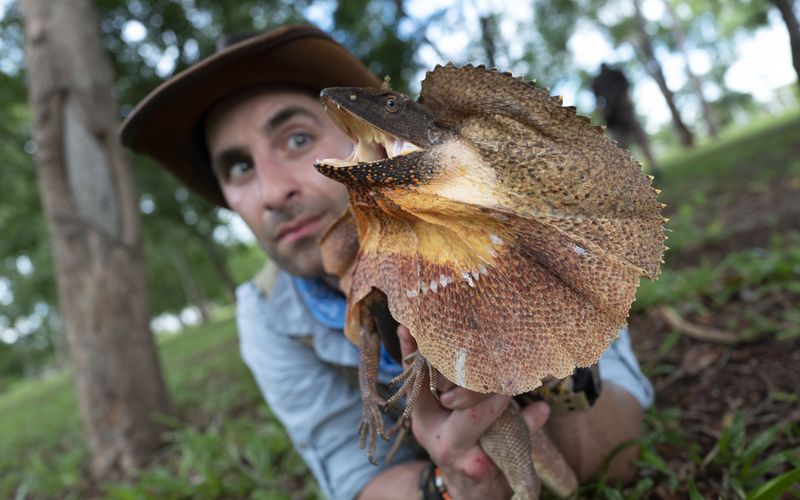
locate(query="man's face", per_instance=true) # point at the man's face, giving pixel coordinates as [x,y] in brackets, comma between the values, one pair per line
[262,147]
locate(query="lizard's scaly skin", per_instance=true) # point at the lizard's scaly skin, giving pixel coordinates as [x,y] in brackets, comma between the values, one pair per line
[512,245]
[508,444]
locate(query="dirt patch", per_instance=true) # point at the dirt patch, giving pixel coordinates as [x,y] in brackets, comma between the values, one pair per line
[754,383]
[709,383]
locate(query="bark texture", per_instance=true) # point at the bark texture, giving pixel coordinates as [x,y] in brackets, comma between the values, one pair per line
[648,56]
[680,41]
[89,198]
[786,8]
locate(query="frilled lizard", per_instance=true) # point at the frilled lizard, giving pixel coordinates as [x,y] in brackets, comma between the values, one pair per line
[507,233]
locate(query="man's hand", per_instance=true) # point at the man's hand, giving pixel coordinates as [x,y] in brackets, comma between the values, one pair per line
[450,429]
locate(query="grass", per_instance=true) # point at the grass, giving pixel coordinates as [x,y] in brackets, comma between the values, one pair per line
[226,444]
[734,146]
[700,183]
[743,462]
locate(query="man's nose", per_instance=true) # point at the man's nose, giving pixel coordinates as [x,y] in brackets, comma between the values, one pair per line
[278,183]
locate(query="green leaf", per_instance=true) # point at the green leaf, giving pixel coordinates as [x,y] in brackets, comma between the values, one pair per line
[693,493]
[775,487]
[758,444]
[757,472]
[651,459]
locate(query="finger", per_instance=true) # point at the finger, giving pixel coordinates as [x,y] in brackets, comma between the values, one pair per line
[459,398]
[536,415]
[464,427]
[428,413]
[407,343]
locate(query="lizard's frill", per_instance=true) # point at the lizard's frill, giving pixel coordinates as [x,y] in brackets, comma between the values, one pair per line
[519,255]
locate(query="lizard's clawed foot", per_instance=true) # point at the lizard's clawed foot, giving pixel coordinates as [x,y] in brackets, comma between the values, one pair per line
[371,425]
[412,379]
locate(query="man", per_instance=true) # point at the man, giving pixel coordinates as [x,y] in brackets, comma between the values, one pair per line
[243,128]
[610,88]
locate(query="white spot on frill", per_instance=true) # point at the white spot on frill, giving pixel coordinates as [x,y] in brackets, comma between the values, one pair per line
[461,367]
[483,270]
[579,250]
[496,239]
[433,286]
[412,293]
[467,278]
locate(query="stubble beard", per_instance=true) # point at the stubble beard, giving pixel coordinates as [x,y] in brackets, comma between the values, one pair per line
[304,258]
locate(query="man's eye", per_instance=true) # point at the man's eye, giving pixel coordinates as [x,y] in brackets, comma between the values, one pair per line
[238,169]
[299,140]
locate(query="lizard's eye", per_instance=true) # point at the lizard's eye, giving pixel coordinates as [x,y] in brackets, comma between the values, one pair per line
[391,104]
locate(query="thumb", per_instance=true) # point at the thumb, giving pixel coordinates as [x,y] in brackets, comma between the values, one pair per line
[536,415]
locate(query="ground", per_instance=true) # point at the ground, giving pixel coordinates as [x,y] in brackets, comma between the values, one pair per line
[742,277]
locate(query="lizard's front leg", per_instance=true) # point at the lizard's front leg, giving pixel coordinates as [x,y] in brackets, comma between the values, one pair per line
[371,425]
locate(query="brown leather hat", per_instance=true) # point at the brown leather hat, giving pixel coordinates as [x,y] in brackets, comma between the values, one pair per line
[167,125]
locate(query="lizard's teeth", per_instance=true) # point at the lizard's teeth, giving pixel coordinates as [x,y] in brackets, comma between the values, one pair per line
[401,147]
[397,148]
[409,148]
[335,162]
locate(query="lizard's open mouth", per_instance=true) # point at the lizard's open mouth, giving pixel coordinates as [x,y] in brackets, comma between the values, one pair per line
[370,142]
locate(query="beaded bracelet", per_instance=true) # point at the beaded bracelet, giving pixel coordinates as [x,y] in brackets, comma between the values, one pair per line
[431,484]
[438,481]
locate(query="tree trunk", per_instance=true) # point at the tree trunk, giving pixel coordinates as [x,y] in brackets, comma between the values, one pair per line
[697,86]
[90,203]
[488,35]
[793,26]
[648,56]
[60,348]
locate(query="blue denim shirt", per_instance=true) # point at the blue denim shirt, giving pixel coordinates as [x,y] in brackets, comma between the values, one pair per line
[308,392]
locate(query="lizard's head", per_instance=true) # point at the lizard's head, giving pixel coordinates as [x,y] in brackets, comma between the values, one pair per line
[382,124]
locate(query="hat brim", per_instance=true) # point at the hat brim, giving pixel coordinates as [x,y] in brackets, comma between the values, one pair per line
[167,125]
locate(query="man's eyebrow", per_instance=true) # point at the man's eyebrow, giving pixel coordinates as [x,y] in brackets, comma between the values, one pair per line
[285,115]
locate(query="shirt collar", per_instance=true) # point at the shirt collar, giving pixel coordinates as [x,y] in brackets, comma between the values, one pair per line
[325,304]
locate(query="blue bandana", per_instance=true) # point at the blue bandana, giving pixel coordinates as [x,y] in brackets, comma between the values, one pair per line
[328,306]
